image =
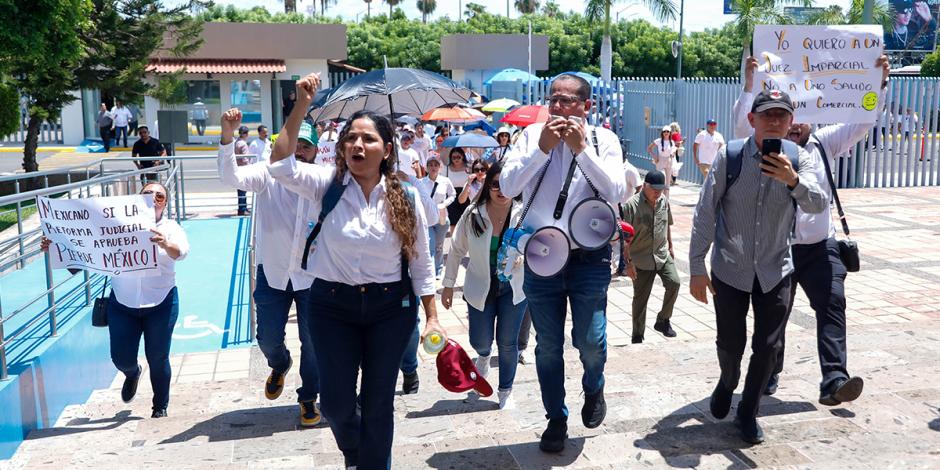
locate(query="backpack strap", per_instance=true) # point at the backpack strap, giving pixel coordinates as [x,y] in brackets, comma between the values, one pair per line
[832,183]
[332,197]
[734,157]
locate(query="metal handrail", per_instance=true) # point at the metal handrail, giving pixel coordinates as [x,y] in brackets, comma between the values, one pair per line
[175,181]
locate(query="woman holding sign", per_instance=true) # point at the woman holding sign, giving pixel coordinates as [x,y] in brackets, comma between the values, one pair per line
[148,307]
[371,262]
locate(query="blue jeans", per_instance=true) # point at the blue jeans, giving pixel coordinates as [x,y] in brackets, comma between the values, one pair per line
[436,236]
[118,132]
[273,307]
[584,283]
[498,310]
[125,327]
[361,327]
[409,360]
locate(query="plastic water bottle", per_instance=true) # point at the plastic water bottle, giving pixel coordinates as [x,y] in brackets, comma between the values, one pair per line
[434,342]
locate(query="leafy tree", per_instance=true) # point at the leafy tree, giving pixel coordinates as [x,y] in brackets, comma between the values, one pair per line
[599,10]
[40,46]
[9,108]
[426,7]
[290,6]
[391,5]
[526,7]
[930,67]
[551,9]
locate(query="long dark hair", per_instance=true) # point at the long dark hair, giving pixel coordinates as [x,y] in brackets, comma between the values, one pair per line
[463,156]
[401,215]
[476,222]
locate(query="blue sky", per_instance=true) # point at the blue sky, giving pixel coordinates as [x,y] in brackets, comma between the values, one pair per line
[699,14]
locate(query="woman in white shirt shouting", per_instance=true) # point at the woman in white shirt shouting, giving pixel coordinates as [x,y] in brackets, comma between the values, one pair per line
[370,261]
[490,302]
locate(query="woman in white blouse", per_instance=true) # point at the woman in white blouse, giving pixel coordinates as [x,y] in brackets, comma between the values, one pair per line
[148,307]
[663,152]
[370,260]
[443,193]
[490,302]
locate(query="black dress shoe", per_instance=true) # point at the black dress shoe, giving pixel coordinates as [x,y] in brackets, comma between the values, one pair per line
[350,459]
[410,383]
[665,328]
[129,390]
[637,340]
[720,403]
[772,385]
[555,435]
[750,430]
[842,390]
[594,410]
[158,413]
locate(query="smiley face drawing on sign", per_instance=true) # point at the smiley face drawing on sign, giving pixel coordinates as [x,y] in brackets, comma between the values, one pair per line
[869,101]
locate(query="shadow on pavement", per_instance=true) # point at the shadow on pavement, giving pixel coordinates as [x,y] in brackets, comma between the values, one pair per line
[243,424]
[454,407]
[80,425]
[507,457]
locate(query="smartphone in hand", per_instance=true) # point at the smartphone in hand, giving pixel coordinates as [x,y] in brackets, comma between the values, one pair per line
[769,146]
[555,117]
[575,120]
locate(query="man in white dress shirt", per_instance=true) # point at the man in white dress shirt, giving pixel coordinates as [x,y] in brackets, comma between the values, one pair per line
[283,219]
[260,146]
[553,148]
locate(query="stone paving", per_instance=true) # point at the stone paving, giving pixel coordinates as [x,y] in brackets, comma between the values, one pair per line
[656,392]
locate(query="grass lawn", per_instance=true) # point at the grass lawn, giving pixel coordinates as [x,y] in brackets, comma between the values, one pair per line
[8,213]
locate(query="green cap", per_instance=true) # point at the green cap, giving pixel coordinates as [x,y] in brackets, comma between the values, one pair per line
[308,133]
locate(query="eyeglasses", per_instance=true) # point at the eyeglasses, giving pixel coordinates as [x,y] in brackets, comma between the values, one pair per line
[564,100]
[159,197]
[480,170]
[906,11]
[494,185]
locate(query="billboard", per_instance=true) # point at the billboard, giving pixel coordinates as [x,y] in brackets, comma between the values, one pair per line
[728,10]
[913,26]
[802,15]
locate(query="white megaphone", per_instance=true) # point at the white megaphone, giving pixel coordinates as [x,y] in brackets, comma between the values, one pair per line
[593,224]
[545,251]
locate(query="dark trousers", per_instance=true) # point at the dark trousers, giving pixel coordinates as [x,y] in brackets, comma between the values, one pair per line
[125,327]
[821,274]
[200,126]
[105,137]
[132,127]
[525,329]
[771,310]
[118,132]
[273,309]
[642,288]
[363,327]
[242,201]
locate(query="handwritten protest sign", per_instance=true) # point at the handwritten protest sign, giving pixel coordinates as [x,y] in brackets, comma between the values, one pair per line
[109,235]
[828,71]
[326,153]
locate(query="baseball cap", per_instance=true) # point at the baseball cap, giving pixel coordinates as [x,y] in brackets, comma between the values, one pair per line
[710,122]
[770,99]
[900,5]
[308,133]
[456,372]
[656,179]
[242,130]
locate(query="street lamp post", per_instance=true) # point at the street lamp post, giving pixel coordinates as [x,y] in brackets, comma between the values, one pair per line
[866,11]
[679,61]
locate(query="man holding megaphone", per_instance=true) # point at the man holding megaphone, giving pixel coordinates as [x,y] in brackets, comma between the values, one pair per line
[568,173]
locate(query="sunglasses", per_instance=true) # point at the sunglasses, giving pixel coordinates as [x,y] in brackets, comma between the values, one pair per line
[494,185]
[479,170]
[159,197]
[563,100]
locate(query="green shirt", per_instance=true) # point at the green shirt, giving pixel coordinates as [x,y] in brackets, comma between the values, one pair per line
[650,246]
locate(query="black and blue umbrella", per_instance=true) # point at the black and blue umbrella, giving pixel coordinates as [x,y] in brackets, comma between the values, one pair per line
[392,92]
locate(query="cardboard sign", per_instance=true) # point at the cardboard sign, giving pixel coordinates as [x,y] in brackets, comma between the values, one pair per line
[326,153]
[109,235]
[828,71]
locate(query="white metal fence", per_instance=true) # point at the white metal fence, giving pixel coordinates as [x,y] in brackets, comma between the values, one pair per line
[49,133]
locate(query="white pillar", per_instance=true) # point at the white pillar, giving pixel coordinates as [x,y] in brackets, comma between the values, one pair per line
[225,93]
[151,106]
[73,122]
[267,111]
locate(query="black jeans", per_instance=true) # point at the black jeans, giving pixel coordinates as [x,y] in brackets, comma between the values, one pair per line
[106,137]
[771,310]
[242,201]
[363,327]
[821,274]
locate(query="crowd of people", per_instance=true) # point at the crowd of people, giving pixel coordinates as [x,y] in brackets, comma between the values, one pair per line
[358,246]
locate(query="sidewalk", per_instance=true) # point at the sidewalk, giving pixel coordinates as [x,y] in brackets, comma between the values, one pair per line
[657,392]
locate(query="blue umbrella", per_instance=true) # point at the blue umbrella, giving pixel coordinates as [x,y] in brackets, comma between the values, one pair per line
[480,125]
[511,75]
[471,140]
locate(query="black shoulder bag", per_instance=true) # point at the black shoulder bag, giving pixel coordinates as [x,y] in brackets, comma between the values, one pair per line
[848,249]
[99,313]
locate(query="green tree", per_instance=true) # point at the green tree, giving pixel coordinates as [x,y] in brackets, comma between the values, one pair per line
[391,6]
[40,46]
[325,5]
[551,9]
[526,7]
[426,7]
[9,108]
[599,10]
[290,6]
[930,67]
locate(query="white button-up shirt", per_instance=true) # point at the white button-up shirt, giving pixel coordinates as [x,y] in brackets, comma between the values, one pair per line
[121,116]
[526,160]
[357,244]
[143,292]
[443,196]
[260,149]
[283,220]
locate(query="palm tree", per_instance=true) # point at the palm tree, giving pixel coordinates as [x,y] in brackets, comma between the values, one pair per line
[391,5]
[527,7]
[551,9]
[325,4]
[599,10]
[290,6]
[754,12]
[426,7]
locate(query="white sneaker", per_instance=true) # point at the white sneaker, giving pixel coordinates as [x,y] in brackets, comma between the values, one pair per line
[482,364]
[505,399]
[525,357]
